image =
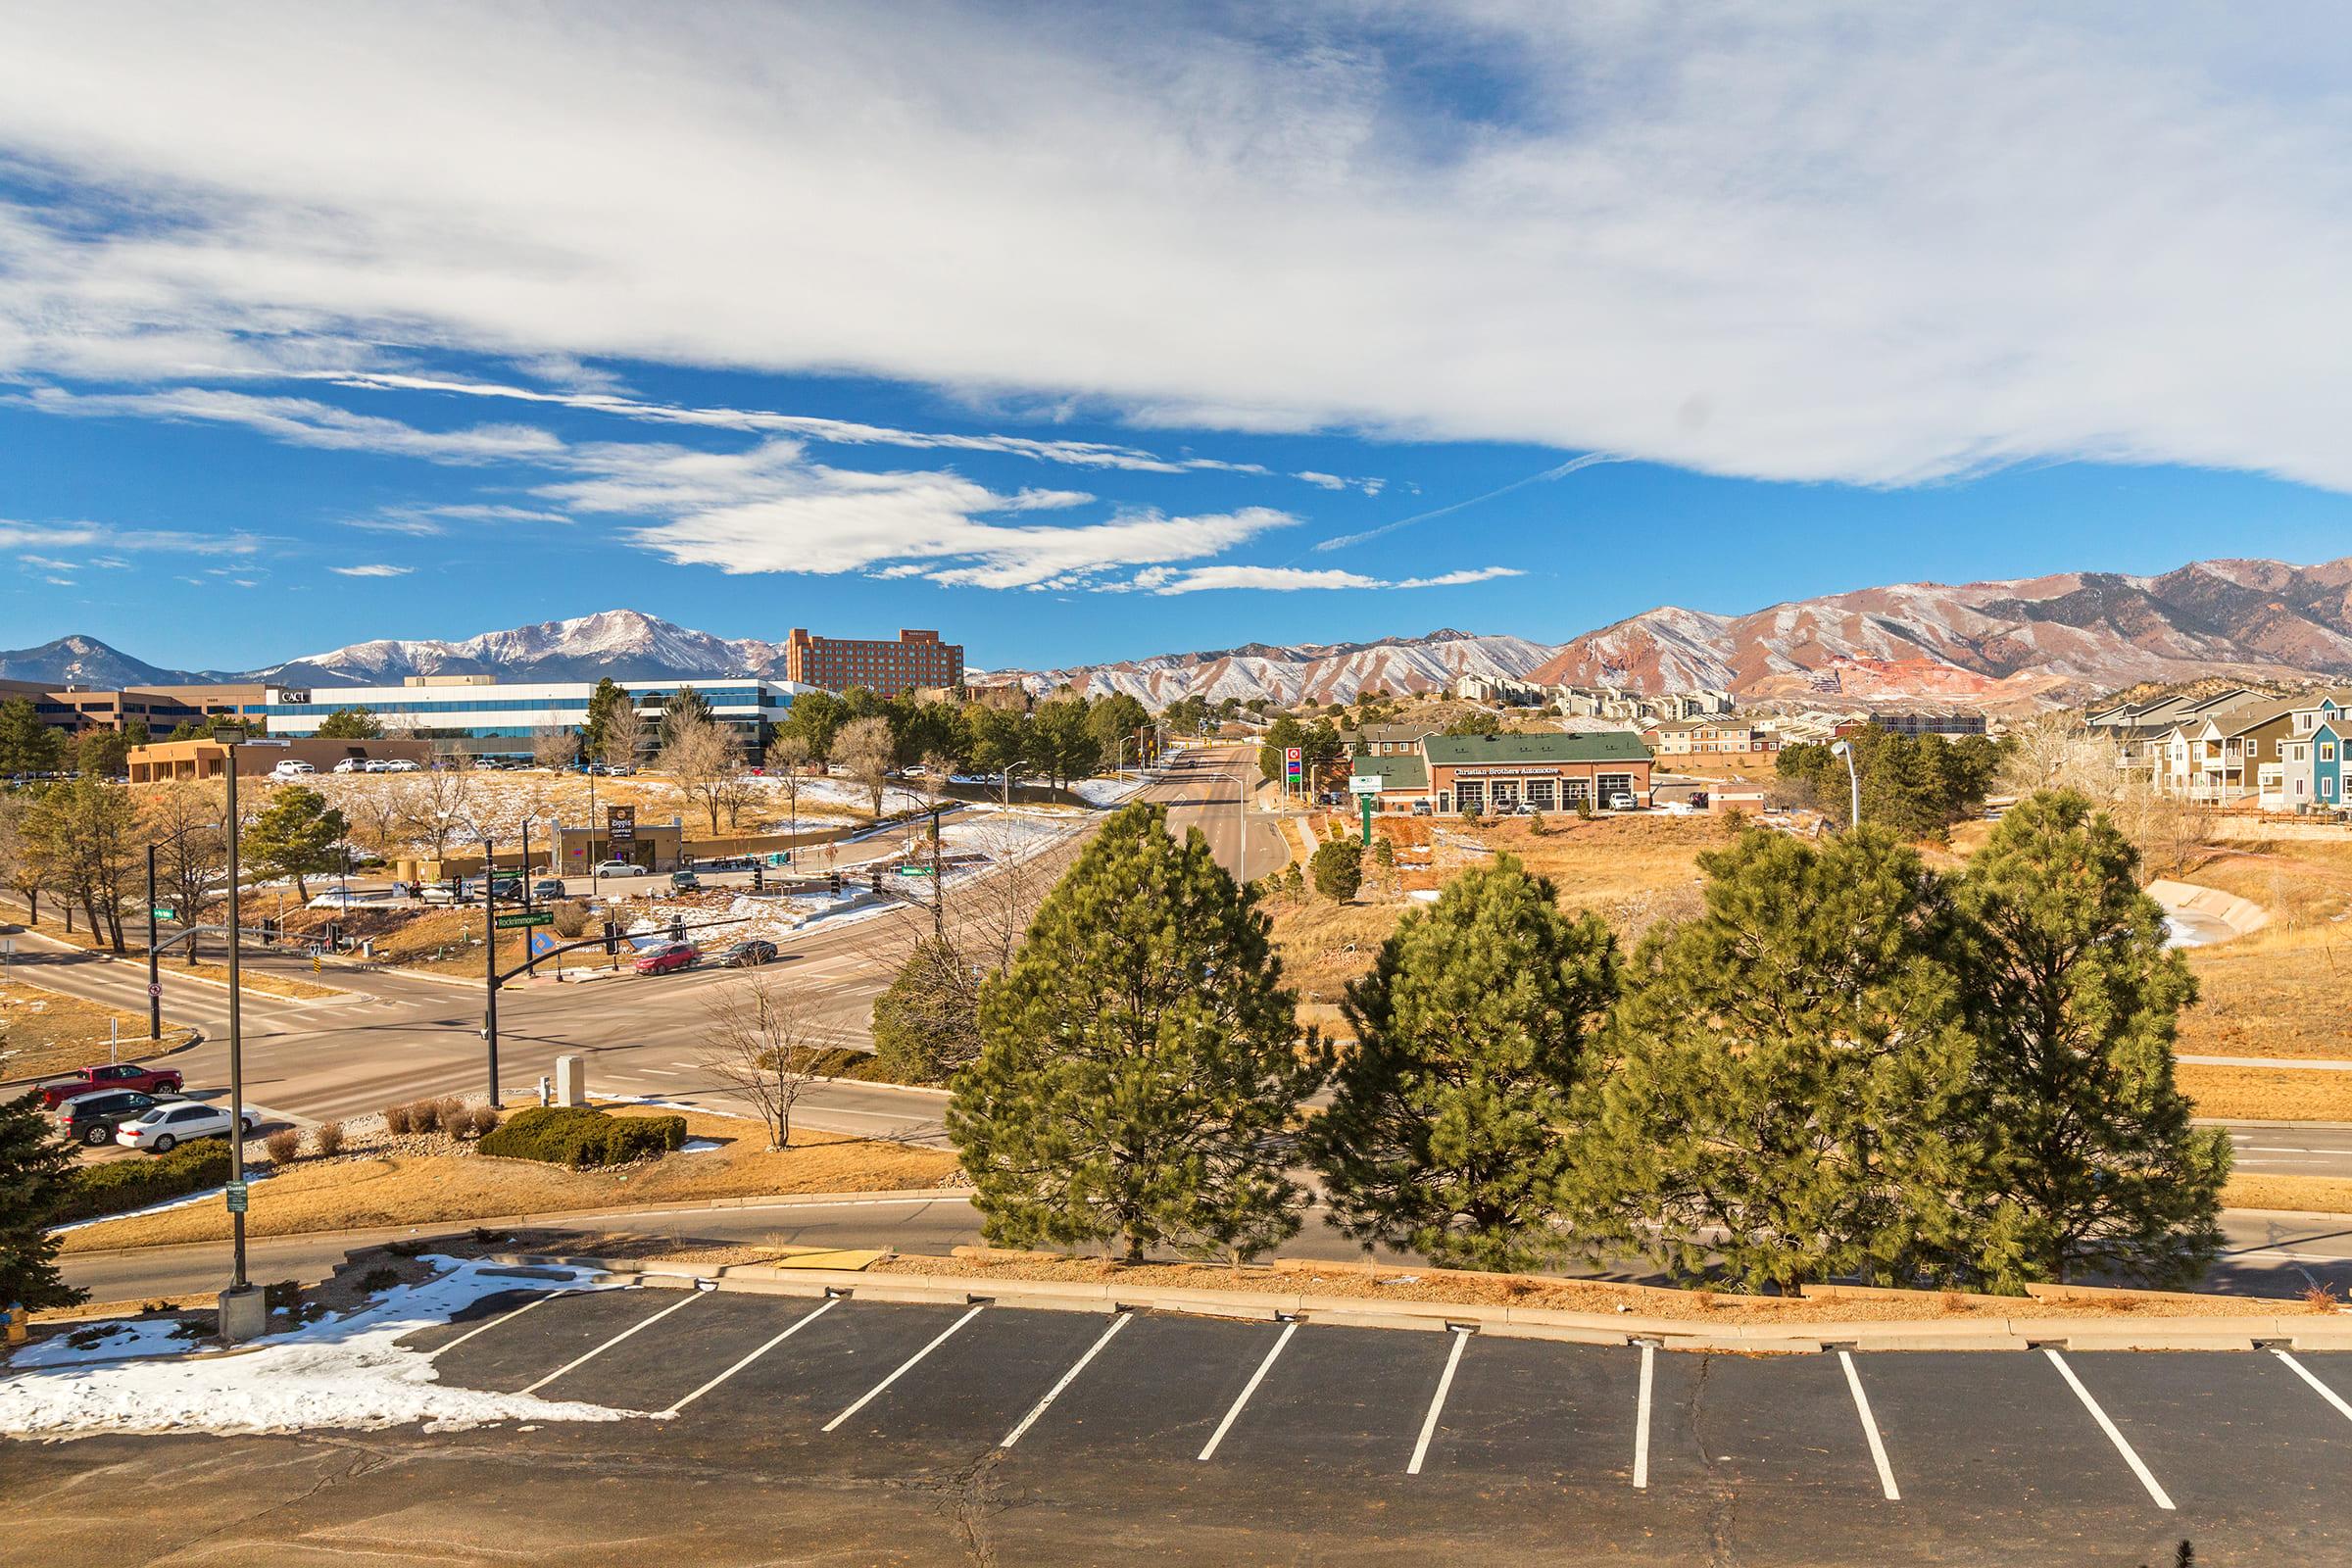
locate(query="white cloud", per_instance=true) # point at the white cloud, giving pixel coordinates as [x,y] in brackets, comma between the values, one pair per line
[426,522]
[16,535]
[1293,579]
[304,422]
[50,563]
[1803,242]
[376,570]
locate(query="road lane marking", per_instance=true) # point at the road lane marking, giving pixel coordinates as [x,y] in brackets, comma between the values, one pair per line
[1119,1321]
[1437,1402]
[1250,1387]
[1870,1428]
[662,1072]
[1641,1421]
[2343,1407]
[2114,1434]
[905,1367]
[798,1324]
[692,1295]
[505,1317]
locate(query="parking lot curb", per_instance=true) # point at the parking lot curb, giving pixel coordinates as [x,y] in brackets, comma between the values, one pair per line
[2233,1333]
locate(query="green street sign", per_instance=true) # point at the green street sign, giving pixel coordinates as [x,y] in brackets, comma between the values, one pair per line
[914,870]
[529,917]
[237,1198]
[163,912]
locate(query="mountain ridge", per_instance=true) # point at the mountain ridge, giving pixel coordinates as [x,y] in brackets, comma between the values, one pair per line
[1999,642]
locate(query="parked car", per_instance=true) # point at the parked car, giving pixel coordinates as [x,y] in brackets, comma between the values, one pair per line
[505,888]
[748,953]
[663,960]
[618,868]
[684,881]
[113,1075]
[164,1127]
[1620,801]
[290,768]
[350,764]
[400,764]
[548,887]
[92,1119]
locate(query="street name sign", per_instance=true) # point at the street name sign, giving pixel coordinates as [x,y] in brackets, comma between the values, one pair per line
[529,917]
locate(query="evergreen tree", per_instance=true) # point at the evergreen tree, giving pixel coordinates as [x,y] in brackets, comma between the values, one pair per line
[297,835]
[2074,1000]
[1140,1060]
[682,710]
[1117,723]
[815,718]
[1338,868]
[927,1020]
[1448,1131]
[35,1169]
[1061,745]
[1792,1091]
[26,745]
[607,697]
[350,724]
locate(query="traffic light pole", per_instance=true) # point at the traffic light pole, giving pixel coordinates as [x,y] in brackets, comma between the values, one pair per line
[490,964]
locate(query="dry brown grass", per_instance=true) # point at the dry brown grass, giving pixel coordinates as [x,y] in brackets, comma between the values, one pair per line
[250,979]
[43,1031]
[1462,1288]
[2319,1195]
[367,1191]
[2261,1093]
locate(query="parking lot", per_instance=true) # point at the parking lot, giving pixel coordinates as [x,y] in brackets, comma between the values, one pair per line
[2106,1457]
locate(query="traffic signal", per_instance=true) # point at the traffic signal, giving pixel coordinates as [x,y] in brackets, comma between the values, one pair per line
[835,878]
[677,928]
[758,877]
[611,937]
[874,880]
[268,928]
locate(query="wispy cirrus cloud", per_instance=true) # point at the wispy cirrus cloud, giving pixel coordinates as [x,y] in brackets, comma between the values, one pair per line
[303,422]
[1293,579]
[376,569]
[18,536]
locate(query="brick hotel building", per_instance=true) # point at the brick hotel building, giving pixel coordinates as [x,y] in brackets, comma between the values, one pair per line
[918,660]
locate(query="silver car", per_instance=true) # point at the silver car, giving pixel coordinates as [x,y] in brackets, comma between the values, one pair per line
[168,1125]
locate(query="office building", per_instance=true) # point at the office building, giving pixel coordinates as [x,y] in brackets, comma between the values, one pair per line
[491,718]
[918,658]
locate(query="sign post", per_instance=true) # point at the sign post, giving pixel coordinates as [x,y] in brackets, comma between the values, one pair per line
[1293,765]
[1366,787]
[526,918]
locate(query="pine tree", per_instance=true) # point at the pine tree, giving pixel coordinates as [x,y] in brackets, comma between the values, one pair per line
[350,724]
[34,1167]
[27,745]
[1338,867]
[2074,1000]
[607,697]
[1790,1097]
[1448,1131]
[1141,1061]
[296,835]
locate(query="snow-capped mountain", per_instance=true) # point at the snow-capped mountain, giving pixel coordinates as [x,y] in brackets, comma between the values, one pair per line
[622,643]
[79,660]
[2035,639]
[1324,672]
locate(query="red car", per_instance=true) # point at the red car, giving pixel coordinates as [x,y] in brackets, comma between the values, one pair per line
[677,955]
[120,1075]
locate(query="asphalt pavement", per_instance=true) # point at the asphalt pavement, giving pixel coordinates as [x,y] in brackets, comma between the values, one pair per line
[772,1429]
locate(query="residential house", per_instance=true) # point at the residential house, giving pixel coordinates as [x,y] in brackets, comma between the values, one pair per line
[2219,756]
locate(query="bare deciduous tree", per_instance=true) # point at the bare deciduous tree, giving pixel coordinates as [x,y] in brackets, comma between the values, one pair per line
[21,869]
[791,753]
[764,1044]
[555,745]
[865,751]
[625,730]
[186,819]
[434,803]
[701,759]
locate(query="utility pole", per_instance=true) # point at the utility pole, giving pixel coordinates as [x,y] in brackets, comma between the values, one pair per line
[242,1312]
[490,963]
[938,913]
[155,978]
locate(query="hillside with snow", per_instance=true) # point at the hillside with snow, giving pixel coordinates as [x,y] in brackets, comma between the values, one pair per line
[1326,672]
[622,643]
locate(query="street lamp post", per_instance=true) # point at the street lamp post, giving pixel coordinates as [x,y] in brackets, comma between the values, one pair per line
[243,1313]
[154,977]
[490,960]
[1846,749]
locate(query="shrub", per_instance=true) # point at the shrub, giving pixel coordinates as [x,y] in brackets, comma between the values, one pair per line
[455,1117]
[122,1185]
[285,1296]
[330,1137]
[485,1119]
[425,1116]
[575,1136]
[379,1278]
[1338,868]
[571,918]
[395,1120]
[283,1145]
[1535,824]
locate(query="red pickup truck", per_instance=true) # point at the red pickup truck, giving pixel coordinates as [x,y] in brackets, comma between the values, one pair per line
[120,1075]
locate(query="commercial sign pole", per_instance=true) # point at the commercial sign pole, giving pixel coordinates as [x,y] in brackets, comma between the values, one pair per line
[1293,763]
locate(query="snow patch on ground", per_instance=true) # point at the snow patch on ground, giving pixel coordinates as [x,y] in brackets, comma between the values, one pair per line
[701,1145]
[204,1196]
[350,1373]
[106,1342]
[1108,790]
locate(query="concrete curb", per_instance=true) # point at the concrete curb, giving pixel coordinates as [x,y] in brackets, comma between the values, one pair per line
[2233,1333]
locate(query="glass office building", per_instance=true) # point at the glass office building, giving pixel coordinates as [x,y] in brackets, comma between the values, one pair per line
[500,721]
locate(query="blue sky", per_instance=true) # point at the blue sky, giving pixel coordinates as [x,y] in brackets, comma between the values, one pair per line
[1084,343]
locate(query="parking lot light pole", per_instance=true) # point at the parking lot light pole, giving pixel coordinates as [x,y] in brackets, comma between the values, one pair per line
[154,977]
[1846,749]
[237,1301]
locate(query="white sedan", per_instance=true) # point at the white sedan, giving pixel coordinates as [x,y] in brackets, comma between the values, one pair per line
[167,1126]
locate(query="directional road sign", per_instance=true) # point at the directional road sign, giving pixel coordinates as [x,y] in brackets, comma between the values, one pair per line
[527,917]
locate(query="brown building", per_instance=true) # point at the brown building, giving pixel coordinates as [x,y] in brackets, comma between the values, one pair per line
[162,708]
[918,658]
[1539,772]
[167,760]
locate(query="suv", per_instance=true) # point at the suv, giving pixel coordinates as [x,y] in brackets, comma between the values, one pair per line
[92,1119]
[1620,801]
[114,1075]
[165,1126]
[684,881]
[548,887]
[660,961]
[290,768]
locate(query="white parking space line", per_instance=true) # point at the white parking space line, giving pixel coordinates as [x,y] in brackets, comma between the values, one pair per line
[1437,1402]
[1250,1387]
[2114,1436]
[1119,1321]
[662,1072]
[503,1318]
[1870,1428]
[905,1367]
[1642,1420]
[2342,1408]
[798,1324]
[691,1297]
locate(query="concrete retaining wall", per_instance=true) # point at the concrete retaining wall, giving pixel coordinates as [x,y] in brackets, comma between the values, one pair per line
[2241,915]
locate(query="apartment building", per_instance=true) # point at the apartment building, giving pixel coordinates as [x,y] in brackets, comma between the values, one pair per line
[2309,776]
[2219,756]
[917,660]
